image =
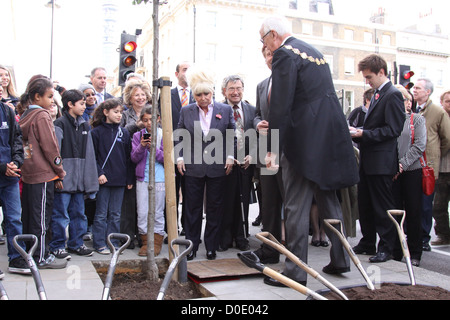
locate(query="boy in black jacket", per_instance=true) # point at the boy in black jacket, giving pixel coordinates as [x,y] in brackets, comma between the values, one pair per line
[77,152]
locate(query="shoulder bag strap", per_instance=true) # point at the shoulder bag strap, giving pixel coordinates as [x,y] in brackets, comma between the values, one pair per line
[119,131]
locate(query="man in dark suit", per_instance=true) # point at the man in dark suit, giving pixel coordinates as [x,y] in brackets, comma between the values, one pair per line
[239,182]
[98,80]
[181,96]
[271,184]
[315,148]
[378,160]
[204,156]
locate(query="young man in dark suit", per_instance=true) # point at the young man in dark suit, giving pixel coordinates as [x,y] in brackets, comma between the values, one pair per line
[379,160]
[315,148]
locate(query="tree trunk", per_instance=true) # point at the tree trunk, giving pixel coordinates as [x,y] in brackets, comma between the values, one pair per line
[152,268]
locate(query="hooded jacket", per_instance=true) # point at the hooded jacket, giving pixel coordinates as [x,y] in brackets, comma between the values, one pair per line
[77,152]
[42,157]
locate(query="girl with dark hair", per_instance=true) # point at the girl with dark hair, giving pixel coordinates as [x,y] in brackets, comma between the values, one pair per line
[112,146]
[42,170]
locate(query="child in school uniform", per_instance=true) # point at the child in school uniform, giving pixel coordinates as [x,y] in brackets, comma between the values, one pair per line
[77,151]
[112,145]
[140,156]
[42,170]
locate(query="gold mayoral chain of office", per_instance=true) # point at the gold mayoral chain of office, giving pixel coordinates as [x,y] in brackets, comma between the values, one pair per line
[304,56]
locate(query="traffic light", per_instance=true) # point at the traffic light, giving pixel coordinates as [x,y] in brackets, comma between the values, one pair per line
[128,59]
[405,76]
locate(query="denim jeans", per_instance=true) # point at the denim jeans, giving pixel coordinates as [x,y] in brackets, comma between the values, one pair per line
[68,210]
[12,212]
[107,215]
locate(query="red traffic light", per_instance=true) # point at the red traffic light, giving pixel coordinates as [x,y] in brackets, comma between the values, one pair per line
[130,46]
[408,75]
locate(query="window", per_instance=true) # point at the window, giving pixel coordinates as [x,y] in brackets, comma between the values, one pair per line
[368,37]
[348,34]
[327,31]
[210,52]
[307,28]
[236,22]
[211,19]
[349,99]
[329,59]
[349,66]
[440,77]
[236,55]
[386,40]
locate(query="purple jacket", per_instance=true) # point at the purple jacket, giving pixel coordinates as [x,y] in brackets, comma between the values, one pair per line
[139,154]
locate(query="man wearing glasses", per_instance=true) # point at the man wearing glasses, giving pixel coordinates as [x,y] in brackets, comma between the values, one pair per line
[315,147]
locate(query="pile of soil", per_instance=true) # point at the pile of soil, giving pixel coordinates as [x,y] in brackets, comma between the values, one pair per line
[392,291]
[134,285]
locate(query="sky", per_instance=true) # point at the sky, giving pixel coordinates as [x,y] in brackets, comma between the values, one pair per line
[78,31]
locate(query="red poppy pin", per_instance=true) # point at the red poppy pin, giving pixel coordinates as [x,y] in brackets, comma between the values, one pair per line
[377,96]
[219,116]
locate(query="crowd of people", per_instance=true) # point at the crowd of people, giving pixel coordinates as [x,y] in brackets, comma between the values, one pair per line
[84,165]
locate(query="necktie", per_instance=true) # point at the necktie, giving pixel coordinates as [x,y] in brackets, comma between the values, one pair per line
[184,98]
[239,127]
[99,96]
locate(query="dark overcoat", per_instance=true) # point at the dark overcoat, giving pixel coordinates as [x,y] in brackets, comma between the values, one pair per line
[313,131]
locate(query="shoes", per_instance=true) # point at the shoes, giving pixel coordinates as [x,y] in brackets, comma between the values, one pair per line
[19,265]
[87,236]
[243,246]
[440,241]
[426,246]
[61,254]
[191,255]
[2,239]
[52,263]
[223,248]
[263,258]
[415,262]
[319,243]
[257,221]
[358,249]
[2,275]
[103,250]
[82,251]
[330,269]
[315,243]
[275,283]
[380,257]
[211,255]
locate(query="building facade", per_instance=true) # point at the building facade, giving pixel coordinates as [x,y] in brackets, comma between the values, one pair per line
[223,36]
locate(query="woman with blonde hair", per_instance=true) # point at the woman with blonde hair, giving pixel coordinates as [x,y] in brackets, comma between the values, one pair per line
[9,95]
[207,168]
[136,96]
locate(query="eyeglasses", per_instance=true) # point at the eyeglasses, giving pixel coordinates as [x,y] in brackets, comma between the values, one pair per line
[262,39]
[232,89]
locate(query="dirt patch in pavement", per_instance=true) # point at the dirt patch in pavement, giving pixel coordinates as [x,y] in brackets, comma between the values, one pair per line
[392,291]
[130,282]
